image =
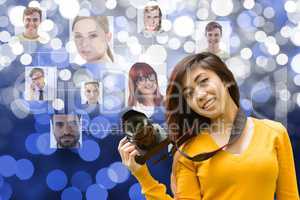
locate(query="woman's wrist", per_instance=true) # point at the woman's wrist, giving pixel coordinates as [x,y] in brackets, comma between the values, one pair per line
[140,170]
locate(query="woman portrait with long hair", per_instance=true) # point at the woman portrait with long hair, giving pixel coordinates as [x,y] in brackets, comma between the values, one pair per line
[92,37]
[245,157]
[143,86]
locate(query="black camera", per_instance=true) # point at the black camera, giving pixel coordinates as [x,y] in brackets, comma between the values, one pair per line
[148,137]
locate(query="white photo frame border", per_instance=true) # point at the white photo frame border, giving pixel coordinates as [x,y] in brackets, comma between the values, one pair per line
[200,37]
[50,74]
[82,95]
[74,56]
[140,19]
[53,142]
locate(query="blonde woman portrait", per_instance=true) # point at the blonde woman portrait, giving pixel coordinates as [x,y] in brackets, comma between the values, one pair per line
[92,38]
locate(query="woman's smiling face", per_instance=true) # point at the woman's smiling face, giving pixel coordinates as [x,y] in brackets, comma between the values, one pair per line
[147,85]
[204,92]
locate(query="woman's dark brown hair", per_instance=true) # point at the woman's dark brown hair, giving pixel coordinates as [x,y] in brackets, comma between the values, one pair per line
[181,119]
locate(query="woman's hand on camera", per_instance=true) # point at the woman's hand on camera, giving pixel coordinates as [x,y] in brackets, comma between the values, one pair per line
[128,152]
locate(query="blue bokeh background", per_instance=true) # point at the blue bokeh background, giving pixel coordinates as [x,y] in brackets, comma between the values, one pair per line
[30,169]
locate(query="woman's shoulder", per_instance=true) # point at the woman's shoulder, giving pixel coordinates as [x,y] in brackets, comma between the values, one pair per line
[200,143]
[267,125]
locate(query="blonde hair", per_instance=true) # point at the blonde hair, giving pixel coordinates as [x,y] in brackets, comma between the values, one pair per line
[102,21]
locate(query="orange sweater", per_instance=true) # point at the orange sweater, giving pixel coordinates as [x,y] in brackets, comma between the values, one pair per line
[266,167]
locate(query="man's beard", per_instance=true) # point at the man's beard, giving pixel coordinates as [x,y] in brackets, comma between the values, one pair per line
[70,144]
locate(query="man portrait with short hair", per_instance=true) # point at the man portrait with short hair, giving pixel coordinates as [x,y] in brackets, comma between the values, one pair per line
[66,129]
[32,18]
[152,19]
[37,88]
[213,34]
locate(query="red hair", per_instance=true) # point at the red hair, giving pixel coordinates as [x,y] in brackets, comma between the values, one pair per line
[141,70]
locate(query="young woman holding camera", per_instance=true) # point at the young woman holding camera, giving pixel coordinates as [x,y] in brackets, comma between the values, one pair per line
[202,107]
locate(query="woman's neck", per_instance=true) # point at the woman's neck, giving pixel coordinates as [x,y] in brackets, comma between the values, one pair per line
[148,100]
[223,123]
[103,59]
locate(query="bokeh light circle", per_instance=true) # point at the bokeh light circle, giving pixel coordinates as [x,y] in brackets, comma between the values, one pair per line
[71,193]
[246,53]
[30,143]
[284,94]
[249,4]
[34,4]
[261,92]
[166,25]
[111,4]
[25,169]
[174,43]
[122,36]
[203,13]
[89,151]
[162,38]
[81,180]
[139,4]
[135,192]
[26,59]
[131,12]
[184,26]
[103,179]
[46,25]
[43,144]
[56,180]
[296,79]
[295,63]
[156,54]
[100,127]
[65,74]
[240,68]
[269,12]
[95,192]
[118,173]
[5,36]
[290,6]
[69,9]
[222,7]
[56,43]
[58,104]
[282,59]
[8,166]
[20,108]
[189,46]
[16,15]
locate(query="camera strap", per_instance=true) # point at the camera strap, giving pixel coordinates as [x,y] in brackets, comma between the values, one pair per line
[236,131]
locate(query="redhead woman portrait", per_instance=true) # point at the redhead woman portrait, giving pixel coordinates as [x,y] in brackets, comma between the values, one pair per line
[245,157]
[144,93]
[92,37]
